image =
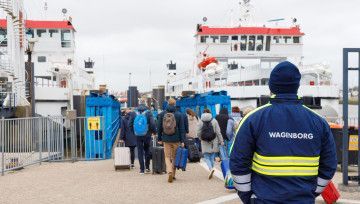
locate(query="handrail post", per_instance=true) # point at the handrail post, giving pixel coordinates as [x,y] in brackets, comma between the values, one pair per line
[2,146]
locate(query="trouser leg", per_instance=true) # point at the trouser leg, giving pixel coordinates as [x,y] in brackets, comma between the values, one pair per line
[140,146]
[173,155]
[167,152]
[207,159]
[147,152]
[132,154]
[212,159]
[198,143]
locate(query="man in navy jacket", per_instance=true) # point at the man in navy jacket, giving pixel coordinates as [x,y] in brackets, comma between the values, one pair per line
[283,152]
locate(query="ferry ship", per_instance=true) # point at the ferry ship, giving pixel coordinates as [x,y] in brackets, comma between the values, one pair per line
[239,59]
[57,75]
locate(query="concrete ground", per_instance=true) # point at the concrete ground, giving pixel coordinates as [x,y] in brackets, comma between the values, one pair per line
[97,182]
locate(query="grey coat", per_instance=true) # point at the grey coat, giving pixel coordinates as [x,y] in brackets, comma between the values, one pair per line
[213,146]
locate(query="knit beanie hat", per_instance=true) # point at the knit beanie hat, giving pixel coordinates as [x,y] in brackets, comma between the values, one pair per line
[284,78]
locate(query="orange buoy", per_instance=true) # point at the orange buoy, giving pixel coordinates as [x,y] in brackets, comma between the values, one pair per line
[206,61]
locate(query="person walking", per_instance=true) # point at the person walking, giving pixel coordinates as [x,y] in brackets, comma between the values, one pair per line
[283,152]
[171,133]
[127,136]
[143,126]
[223,119]
[210,135]
[193,125]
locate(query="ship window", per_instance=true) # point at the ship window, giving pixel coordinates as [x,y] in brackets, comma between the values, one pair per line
[296,39]
[235,37]
[277,39]
[287,39]
[251,43]
[41,58]
[3,40]
[203,39]
[236,47]
[51,31]
[268,42]
[215,39]
[65,38]
[224,39]
[30,33]
[243,42]
[40,32]
[260,43]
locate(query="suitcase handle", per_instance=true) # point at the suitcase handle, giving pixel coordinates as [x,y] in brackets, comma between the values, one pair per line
[121,144]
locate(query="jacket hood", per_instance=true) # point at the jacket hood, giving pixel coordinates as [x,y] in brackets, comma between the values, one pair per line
[206,117]
[224,111]
[171,109]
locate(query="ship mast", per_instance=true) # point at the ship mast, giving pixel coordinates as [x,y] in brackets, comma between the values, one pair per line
[245,13]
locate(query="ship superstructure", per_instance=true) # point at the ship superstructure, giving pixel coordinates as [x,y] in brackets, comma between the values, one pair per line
[239,59]
[57,75]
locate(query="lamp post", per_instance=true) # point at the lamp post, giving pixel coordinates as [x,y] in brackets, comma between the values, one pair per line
[30,71]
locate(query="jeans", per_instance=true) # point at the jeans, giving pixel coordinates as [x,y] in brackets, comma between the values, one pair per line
[223,152]
[143,145]
[209,159]
[198,143]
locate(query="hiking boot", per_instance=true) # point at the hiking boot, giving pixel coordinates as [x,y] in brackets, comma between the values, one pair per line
[171,178]
[211,173]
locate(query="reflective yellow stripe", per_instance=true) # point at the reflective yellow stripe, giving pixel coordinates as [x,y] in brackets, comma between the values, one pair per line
[286,160]
[285,171]
[312,111]
[285,165]
[243,120]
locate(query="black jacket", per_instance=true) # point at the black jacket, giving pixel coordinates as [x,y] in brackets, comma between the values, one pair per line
[126,133]
[223,119]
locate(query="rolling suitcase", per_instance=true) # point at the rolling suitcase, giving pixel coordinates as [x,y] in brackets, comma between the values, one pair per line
[225,169]
[122,157]
[194,153]
[158,159]
[330,193]
[181,158]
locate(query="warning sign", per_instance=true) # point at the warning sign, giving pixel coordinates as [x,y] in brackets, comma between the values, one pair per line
[353,143]
[94,123]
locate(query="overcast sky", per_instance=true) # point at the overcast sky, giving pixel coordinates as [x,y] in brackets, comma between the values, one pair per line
[139,35]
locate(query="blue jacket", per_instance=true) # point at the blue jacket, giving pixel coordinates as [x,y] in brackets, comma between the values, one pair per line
[282,153]
[180,124]
[150,118]
[126,133]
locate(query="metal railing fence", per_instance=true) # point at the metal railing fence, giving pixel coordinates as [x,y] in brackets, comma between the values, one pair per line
[28,141]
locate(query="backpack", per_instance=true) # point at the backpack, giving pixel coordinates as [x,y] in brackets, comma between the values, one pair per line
[141,126]
[169,124]
[207,131]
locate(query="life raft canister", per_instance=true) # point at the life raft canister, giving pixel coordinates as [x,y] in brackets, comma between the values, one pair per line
[208,60]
